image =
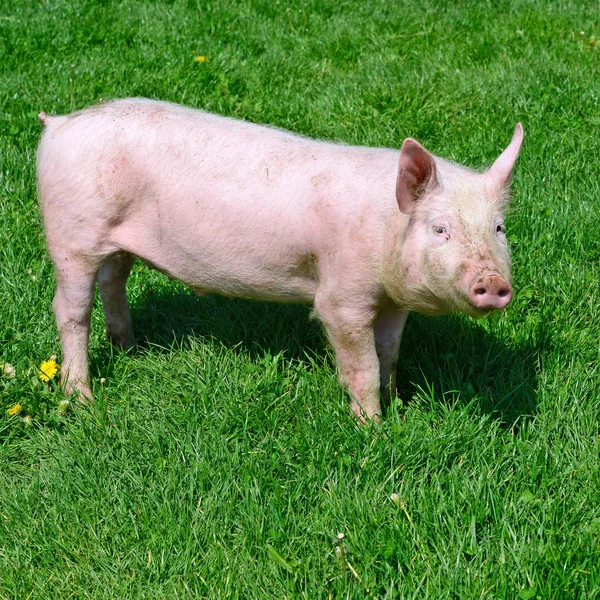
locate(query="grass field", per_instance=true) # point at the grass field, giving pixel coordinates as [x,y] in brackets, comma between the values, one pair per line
[221,459]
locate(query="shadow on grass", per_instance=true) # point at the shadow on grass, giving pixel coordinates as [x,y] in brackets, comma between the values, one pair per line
[455,356]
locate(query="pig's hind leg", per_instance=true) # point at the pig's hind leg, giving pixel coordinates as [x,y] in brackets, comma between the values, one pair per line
[388,333]
[112,278]
[73,301]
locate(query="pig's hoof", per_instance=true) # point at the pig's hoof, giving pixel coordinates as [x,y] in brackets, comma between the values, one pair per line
[373,419]
[78,395]
[85,400]
[122,340]
[363,417]
[78,398]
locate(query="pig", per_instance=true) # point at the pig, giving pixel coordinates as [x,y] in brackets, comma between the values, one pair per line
[363,234]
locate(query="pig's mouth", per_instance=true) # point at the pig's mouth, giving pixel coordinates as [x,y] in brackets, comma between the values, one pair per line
[475,313]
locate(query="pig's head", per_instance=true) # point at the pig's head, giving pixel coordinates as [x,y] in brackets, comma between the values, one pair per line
[454,255]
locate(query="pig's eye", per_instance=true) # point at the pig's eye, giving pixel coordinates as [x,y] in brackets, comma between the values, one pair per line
[439,229]
[500,228]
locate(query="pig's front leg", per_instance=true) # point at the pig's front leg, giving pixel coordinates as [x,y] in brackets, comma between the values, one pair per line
[350,332]
[388,333]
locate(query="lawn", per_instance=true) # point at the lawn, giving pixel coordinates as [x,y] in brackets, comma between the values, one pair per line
[221,459]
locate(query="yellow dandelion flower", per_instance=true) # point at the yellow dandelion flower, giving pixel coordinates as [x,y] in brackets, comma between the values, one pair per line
[13,410]
[200,58]
[49,369]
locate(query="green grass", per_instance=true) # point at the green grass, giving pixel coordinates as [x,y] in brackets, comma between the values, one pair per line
[221,459]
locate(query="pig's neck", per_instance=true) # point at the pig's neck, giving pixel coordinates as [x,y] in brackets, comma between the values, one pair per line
[403,275]
[394,272]
[403,280]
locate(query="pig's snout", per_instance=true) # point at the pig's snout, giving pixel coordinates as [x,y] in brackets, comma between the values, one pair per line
[490,292]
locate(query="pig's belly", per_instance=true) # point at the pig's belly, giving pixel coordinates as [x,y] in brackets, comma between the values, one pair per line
[292,290]
[285,274]
[275,282]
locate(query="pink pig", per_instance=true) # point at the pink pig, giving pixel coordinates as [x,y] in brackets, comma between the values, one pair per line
[229,207]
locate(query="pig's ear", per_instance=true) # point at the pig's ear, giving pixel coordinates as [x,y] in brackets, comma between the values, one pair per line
[502,169]
[416,173]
